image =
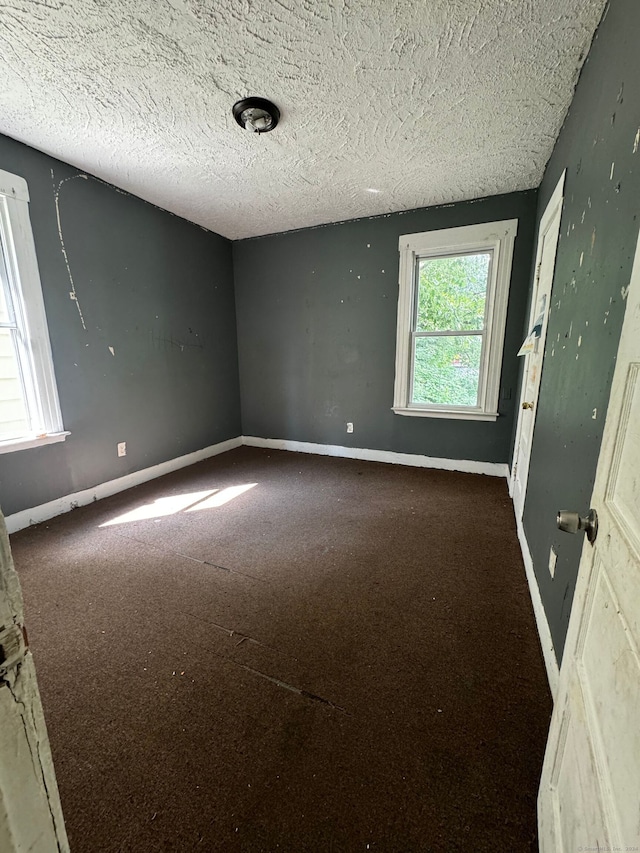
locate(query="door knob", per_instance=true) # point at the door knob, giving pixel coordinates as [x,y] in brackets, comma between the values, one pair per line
[572,522]
[527,405]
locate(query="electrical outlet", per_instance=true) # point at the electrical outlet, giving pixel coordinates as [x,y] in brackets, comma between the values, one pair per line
[349,427]
[553,559]
[122,448]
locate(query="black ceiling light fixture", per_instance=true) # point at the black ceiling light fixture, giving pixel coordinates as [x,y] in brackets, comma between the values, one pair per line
[256,114]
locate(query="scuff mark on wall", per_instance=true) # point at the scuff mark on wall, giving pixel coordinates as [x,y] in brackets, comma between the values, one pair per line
[56,197]
[175,342]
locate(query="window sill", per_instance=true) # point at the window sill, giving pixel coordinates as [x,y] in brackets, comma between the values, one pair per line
[446,413]
[27,442]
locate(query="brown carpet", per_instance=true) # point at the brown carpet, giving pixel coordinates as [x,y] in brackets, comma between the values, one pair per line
[342,657]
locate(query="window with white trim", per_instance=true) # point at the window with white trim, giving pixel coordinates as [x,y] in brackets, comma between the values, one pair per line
[452,309]
[29,408]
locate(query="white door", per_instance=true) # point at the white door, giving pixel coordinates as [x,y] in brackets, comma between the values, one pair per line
[545,265]
[589,796]
[30,813]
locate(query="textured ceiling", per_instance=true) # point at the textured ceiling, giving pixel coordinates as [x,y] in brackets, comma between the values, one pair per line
[423,101]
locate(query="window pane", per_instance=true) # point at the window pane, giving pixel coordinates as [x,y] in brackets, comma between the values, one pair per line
[452,292]
[13,414]
[447,370]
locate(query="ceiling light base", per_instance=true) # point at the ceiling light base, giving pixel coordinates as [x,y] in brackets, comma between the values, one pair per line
[256,114]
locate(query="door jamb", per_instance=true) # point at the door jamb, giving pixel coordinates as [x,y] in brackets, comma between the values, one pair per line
[553,208]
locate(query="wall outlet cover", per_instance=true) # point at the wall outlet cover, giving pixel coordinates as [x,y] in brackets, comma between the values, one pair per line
[122,448]
[349,427]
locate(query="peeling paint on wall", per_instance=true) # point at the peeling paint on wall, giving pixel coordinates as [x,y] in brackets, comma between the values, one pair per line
[592,274]
[56,197]
[129,262]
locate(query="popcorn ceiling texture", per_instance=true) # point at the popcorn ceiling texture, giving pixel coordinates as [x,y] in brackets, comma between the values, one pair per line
[425,102]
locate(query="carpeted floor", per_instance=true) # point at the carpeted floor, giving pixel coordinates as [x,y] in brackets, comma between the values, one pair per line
[341,657]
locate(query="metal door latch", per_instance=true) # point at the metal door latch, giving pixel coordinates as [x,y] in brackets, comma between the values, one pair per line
[13,647]
[572,522]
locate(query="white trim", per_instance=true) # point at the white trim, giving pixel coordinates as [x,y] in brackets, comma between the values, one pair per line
[556,201]
[35,357]
[552,212]
[43,512]
[35,515]
[462,414]
[544,632]
[13,186]
[48,404]
[499,237]
[469,466]
[14,444]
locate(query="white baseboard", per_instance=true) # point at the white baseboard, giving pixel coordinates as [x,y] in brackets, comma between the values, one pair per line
[36,514]
[544,633]
[469,466]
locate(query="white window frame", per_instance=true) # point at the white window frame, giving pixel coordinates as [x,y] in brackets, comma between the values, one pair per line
[495,237]
[35,357]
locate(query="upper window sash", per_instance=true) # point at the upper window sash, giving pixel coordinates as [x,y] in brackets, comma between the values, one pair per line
[434,256]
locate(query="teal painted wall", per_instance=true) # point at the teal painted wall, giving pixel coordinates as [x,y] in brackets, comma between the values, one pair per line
[315,341]
[317,311]
[598,146]
[155,288]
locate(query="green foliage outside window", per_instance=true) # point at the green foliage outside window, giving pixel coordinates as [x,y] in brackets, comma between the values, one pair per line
[451,297]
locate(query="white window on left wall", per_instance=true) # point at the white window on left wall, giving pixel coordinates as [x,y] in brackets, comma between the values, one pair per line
[29,407]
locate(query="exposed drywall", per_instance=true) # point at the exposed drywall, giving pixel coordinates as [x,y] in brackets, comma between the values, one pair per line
[141,317]
[599,147]
[317,334]
[386,105]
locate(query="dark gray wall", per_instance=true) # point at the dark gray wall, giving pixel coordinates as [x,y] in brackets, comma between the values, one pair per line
[157,289]
[317,333]
[599,224]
